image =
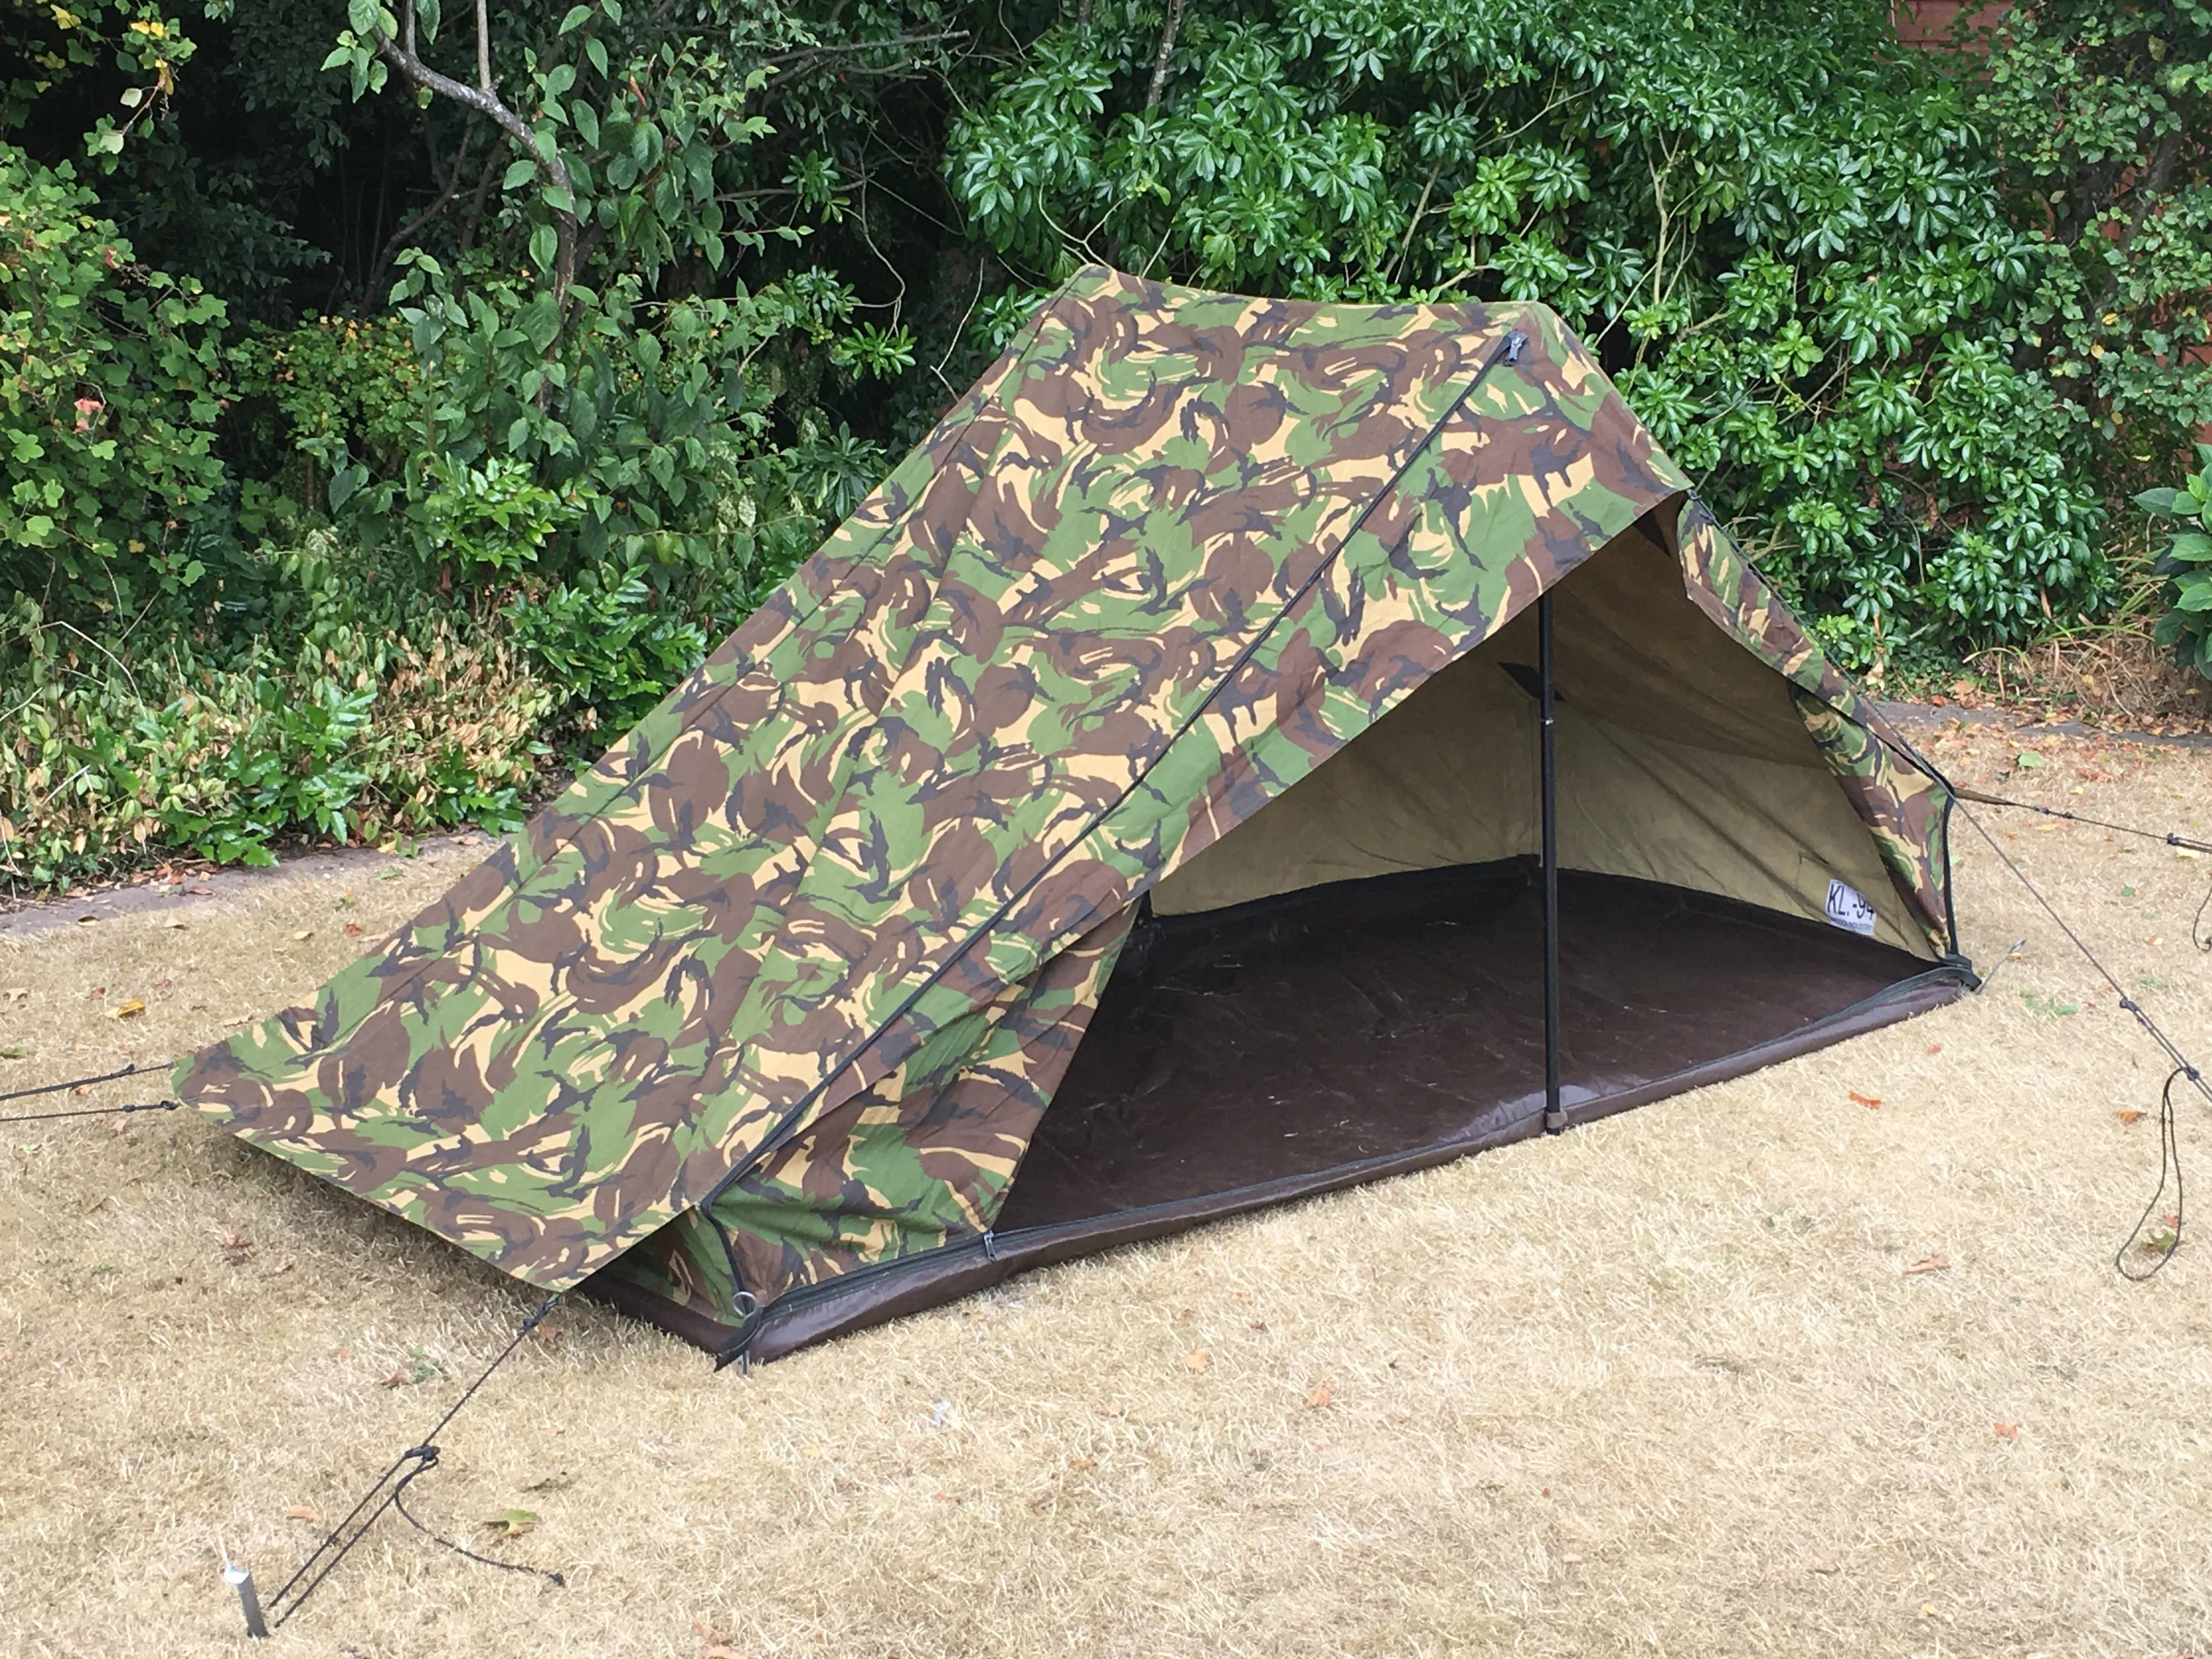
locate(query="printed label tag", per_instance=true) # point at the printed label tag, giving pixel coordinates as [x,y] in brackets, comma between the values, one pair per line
[1848,908]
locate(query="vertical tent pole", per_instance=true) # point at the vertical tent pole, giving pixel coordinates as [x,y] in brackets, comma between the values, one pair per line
[1555,1116]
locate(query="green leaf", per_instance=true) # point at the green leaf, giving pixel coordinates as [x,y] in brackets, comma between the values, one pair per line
[545,243]
[518,172]
[558,200]
[364,15]
[344,483]
[596,50]
[2191,545]
[577,17]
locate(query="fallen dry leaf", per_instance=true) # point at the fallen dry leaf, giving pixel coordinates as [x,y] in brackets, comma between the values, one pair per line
[128,1009]
[1825,1566]
[2128,1114]
[1321,1396]
[12,1050]
[1243,1296]
[1930,1264]
[1198,1360]
[511,1523]
[301,1512]
[174,922]
[1259,1324]
[396,1380]
[1868,1101]
[1044,1500]
[353,929]
[1083,1462]
[2008,1431]
[304,934]
[1935,1048]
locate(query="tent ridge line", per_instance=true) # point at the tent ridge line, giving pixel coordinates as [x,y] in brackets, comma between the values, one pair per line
[1509,346]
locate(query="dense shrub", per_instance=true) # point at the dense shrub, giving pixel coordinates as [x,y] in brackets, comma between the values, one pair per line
[1789,242]
[110,379]
[523,368]
[2185,563]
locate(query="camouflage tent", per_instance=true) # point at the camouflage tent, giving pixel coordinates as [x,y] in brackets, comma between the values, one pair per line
[795,1012]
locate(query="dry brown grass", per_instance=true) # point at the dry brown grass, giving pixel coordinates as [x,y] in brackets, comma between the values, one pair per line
[1660,1386]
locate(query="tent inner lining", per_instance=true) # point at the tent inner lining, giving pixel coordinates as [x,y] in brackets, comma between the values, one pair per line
[1682,759]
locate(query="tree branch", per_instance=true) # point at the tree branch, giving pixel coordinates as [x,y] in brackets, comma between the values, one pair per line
[1160,61]
[485,100]
[405,234]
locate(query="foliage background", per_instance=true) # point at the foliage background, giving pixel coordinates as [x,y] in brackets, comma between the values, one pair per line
[385,416]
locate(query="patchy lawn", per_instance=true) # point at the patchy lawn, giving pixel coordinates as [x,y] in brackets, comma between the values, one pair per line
[1760,1370]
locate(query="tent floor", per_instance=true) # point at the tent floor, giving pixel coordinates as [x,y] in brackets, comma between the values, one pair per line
[1343,1023]
[1242,1057]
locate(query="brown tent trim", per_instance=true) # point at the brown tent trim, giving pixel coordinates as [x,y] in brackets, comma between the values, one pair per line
[890,1289]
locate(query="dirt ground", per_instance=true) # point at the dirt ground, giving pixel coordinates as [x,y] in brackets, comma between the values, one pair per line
[1690,1381]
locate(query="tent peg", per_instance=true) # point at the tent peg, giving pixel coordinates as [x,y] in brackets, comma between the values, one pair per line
[249,1599]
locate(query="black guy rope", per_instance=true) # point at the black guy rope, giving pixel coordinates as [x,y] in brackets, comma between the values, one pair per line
[2169,1146]
[387,1493]
[131,1070]
[2197,935]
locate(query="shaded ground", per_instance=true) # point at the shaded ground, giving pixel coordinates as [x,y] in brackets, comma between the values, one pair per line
[1667,1384]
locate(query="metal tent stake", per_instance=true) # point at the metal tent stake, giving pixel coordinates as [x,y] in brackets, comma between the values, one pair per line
[1555,1115]
[249,1599]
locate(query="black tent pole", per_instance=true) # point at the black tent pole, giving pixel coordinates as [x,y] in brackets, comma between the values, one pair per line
[1555,1116]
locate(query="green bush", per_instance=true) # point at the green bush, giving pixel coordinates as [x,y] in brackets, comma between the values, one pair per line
[1788,243]
[111,375]
[433,486]
[2186,563]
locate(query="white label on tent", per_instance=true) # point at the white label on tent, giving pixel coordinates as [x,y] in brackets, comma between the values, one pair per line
[1848,908]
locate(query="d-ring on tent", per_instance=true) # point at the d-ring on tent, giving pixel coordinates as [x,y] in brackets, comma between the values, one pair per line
[1137,812]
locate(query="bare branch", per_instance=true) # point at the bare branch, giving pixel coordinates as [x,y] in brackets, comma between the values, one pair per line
[485,100]
[1160,62]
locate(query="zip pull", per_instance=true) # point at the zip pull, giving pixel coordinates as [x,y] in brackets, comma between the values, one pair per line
[1515,343]
[990,1245]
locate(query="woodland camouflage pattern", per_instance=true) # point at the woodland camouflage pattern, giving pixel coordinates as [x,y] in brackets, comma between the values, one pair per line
[784,982]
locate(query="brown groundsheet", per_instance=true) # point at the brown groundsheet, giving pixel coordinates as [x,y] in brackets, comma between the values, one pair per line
[1316,1039]
[1344,1023]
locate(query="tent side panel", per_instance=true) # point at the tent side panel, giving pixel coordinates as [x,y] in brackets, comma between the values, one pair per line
[1905,808]
[924,1156]
[1536,466]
